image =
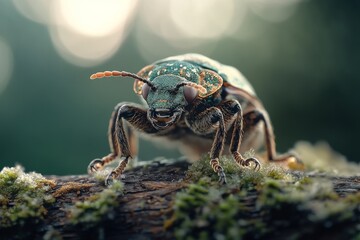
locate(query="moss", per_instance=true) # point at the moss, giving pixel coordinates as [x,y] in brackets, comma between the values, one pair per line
[315,205]
[304,181]
[236,175]
[23,197]
[100,176]
[97,208]
[261,205]
[200,208]
[321,157]
[199,169]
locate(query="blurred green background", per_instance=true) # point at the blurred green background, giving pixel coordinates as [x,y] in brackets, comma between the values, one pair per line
[301,56]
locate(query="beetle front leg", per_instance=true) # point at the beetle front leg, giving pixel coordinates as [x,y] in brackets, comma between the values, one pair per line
[251,119]
[136,116]
[233,108]
[98,163]
[207,122]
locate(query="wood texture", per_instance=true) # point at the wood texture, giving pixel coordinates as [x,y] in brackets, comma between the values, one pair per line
[147,202]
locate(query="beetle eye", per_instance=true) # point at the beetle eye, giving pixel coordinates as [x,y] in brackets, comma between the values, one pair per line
[145,91]
[190,94]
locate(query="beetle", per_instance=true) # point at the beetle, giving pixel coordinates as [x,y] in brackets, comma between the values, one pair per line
[196,103]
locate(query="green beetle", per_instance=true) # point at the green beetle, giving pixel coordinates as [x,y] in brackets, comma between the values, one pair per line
[199,105]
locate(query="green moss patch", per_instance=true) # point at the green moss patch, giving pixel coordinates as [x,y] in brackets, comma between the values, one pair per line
[99,207]
[321,157]
[23,197]
[271,203]
[236,175]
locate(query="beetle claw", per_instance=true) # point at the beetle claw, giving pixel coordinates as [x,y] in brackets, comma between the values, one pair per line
[222,177]
[110,178]
[248,161]
[95,165]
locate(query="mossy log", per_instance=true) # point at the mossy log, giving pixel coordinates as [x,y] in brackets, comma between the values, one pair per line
[145,207]
[146,203]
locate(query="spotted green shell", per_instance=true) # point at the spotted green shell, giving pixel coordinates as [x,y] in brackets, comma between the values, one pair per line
[198,69]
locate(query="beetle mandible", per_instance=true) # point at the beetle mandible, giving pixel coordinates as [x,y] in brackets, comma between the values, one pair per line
[197,103]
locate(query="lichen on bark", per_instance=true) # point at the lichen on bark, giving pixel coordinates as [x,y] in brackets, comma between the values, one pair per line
[23,197]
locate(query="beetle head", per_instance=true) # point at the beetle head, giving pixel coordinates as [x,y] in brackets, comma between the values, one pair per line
[168,98]
[166,95]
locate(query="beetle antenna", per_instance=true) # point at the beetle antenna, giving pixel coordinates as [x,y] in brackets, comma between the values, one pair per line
[193,85]
[120,74]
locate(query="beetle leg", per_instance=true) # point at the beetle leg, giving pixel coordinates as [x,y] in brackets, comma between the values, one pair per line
[117,171]
[136,116]
[251,119]
[233,107]
[98,163]
[207,122]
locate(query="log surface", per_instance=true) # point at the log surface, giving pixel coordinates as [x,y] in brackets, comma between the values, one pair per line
[147,202]
[149,194]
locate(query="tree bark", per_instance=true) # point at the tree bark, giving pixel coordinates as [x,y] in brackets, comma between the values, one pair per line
[147,202]
[148,199]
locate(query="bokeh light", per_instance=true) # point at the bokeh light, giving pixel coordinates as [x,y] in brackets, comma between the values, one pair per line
[82,50]
[194,19]
[84,33]
[87,33]
[35,10]
[273,10]
[6,64]
[189,25]
[94,18]
[183,26]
